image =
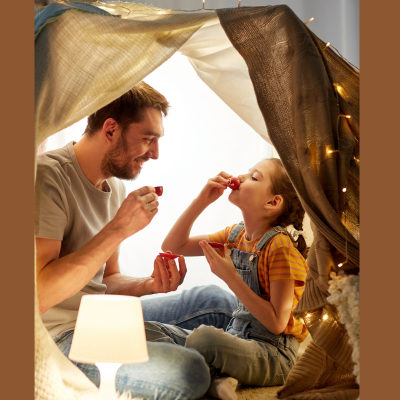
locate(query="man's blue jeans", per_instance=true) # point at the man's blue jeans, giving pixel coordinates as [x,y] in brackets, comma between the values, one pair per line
[169,373]
[172,372]
[207,305]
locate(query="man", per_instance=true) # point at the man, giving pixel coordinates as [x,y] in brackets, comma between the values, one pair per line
[82,216]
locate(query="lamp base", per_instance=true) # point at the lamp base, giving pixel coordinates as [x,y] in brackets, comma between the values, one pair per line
[108,371]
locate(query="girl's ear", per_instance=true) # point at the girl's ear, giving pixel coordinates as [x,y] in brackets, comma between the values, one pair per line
[275,203]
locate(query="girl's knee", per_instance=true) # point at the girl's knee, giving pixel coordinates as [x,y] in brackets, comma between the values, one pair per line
[204,337]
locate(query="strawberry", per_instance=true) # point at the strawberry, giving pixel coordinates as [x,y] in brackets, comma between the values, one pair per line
[159,190]
[234,183]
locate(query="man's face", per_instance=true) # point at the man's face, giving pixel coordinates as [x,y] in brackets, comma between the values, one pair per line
[134,146]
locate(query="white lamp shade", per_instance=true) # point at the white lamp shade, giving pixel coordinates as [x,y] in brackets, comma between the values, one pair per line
[109,329]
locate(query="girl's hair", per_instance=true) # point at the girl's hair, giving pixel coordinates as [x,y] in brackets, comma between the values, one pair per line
[293,212]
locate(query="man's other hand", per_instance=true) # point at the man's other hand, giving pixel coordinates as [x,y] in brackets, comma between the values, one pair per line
[166,276]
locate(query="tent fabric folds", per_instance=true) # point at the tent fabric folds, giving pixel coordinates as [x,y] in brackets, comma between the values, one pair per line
[294,91]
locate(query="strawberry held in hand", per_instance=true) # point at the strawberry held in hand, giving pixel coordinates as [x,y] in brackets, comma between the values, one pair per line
[159,190]
[234,183]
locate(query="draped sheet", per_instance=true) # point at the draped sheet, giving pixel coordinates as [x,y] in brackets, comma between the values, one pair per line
[285,76]
[296,78]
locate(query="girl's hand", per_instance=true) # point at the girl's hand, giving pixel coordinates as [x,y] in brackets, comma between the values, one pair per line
[222,266]
[214,188]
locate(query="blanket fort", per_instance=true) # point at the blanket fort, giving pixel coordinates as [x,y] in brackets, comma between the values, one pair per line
[294,90]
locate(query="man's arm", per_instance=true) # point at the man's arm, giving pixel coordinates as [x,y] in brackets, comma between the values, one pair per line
[165,278]
[60,278]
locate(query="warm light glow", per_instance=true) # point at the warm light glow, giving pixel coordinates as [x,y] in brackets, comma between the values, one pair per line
[109,331]
[204,2]
[325,317]
[342,93]
[340,265]
[329,150]
[309,20]
[344,190]
[308,315]
[104,333]
[328,44]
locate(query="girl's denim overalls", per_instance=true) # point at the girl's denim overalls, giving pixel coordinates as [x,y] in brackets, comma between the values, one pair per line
[262,358]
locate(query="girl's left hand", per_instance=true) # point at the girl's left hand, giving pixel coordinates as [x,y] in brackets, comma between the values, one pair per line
[222,266]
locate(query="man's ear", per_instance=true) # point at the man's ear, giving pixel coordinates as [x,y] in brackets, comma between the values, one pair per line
[275,203]
[109,127]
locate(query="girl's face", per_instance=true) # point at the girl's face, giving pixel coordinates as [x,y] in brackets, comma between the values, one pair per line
[255,188]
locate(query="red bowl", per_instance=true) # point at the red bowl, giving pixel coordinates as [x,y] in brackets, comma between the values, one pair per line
[216,245]
[169,255]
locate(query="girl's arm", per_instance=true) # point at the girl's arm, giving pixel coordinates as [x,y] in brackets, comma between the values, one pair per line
[273,314]
[178,239]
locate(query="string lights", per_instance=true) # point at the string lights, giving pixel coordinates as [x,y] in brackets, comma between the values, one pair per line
[340,91]
[309,20]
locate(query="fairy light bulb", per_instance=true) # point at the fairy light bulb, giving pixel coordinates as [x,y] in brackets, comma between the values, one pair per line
[329,150]
[340,265]
[325,317]
[327,44]
[344,190]
[309,20]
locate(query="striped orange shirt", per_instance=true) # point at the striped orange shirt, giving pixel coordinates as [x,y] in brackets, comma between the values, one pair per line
[279,259]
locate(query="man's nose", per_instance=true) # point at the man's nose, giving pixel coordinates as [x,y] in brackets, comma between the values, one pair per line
[153,151]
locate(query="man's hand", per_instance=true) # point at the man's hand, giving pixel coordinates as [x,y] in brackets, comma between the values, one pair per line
[221,265]
[136,211]
[166,277]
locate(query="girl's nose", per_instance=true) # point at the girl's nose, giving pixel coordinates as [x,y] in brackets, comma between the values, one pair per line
[242,177]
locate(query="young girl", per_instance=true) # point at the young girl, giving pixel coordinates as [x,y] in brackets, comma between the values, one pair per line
[264,268]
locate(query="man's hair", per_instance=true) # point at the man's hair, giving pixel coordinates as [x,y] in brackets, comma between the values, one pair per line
[293,211]
[128,108]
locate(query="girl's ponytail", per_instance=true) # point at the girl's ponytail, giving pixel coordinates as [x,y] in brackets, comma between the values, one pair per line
[293,212]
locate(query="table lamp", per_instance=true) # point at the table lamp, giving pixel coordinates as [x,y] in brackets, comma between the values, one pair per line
[109,332]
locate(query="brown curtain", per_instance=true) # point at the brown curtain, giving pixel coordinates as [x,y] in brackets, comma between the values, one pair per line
[309,98]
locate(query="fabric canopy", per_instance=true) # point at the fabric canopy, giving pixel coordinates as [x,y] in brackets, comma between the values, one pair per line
[289,86]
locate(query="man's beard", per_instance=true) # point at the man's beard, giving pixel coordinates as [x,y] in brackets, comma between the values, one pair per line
[110,165]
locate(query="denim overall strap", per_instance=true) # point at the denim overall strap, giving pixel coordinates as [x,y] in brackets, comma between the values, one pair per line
[269,235]
[235,232]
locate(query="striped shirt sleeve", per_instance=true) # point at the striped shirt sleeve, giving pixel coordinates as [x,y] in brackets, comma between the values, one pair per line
[285,261]
[221,236]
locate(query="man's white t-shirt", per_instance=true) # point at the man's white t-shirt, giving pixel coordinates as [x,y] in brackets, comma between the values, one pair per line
[68,207]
